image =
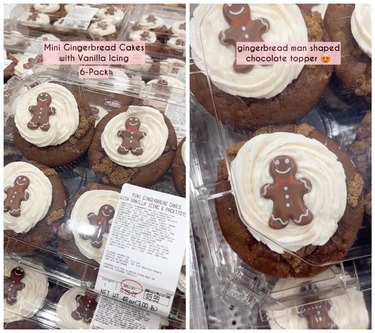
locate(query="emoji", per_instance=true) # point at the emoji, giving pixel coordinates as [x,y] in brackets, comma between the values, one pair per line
[326,58]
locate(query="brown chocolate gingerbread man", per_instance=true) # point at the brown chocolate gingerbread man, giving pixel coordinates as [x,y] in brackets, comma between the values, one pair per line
[242,29]
[101,223]
[15,195]
[86,307]
[41,112]
[13,284]
[131,137]
[315,310]
[287,194]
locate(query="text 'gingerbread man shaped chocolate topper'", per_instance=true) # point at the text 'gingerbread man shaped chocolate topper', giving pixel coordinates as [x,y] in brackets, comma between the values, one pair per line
[131,137]
[287,194]
[41,112]
[101,223]
[15,195]
[316,310]
[86,307]
[242,29]
[13,284]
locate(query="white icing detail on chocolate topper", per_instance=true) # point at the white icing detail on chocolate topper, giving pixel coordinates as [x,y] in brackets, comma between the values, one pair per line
[62,125]
[31,298]
[153,144]
[33,210]
[68,304]
[360,23]
[262,81]
[88,202]
[250,170]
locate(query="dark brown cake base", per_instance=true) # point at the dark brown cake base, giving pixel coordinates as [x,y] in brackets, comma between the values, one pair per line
[354,73]
[297,99]
[179,171]
[360,151]
[45,229]
[68,151]
[258,255]
[113,174]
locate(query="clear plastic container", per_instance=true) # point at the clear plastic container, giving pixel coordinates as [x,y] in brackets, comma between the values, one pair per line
[111,95]
[240,284]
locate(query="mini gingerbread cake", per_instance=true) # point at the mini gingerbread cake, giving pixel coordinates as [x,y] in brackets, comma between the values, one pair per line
[25,291]
[248,97]
[316,312]
[299,197]
[76,309]
[135,145]
[28,217]
[52,125]
[351,25]
[84,234]
[179,168]
[103,30]
[110,14]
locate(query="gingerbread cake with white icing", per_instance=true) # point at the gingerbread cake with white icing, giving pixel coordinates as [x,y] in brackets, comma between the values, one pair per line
[351,26]
[249,97]
[27,218]
[299,201]
[84,234]
[53,125]
[135,145]
[25,291]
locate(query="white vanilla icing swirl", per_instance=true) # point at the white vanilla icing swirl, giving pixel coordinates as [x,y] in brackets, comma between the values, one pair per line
[96,30]
[153,144]
[42,19]
[172,42]
[326,200]
[141,67]
[31,298]
[34,209]
[356,318]
[183,152]
[90,202]
[114,18]
[63,123]
[286,24]
[177,30]
[47,8]
[148,23]
[68,304]
[137,35]
[360,23]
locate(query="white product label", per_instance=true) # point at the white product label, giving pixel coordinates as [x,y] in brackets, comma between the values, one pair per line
[144,251]
[110,314]
[176,114]
[79,17]
[7,62]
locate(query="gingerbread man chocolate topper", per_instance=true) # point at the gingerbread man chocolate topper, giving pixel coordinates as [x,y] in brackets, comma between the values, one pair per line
[41,112]
[33,61]
[13,284]
[86,307]
[15,195]
[287,194]
[242,29]
[316,310]
[101,224]
[131,137]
